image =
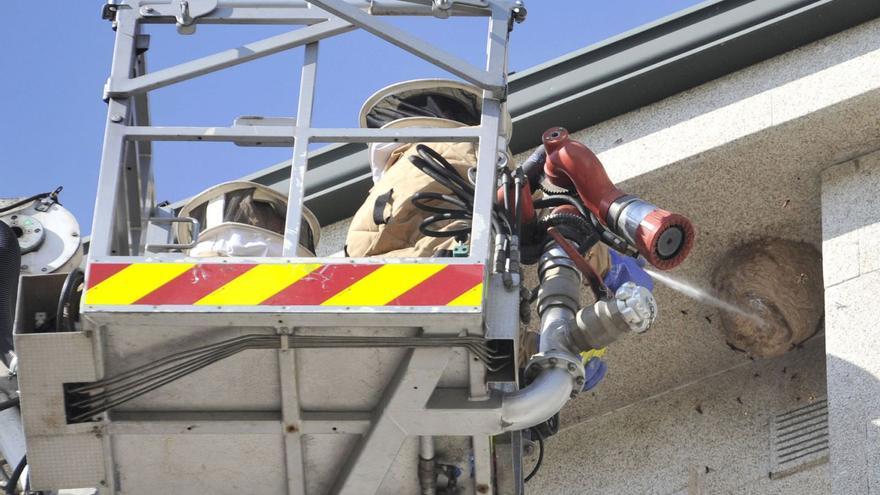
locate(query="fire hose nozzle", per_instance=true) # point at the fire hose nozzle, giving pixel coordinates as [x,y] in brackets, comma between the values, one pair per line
[663,238]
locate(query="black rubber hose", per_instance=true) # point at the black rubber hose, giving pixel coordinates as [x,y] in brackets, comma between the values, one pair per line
[420,199]
[533,166]
[12,484]
[560,200]
[25,201]
[608,237]
[517,199]
[445,217]
[6,404]
[442,178]
[435,166]
[10,266]
[68,306]
[53,195]
[540,456]
[432,156]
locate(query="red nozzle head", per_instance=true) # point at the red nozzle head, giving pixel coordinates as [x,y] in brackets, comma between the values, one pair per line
[665,239]
[572,164]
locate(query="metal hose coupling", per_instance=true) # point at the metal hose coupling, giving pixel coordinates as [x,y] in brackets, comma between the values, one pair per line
[553,378]
[562,360]
[631,309]
[664,238]
[560,280]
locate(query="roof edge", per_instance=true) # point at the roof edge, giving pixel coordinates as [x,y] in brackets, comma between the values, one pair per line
[613,77]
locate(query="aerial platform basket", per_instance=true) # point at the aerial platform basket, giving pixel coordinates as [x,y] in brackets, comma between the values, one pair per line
[287,417]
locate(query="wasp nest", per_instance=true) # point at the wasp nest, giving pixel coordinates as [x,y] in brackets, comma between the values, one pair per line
[778,284]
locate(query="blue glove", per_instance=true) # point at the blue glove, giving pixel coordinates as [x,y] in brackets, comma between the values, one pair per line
[594,372]
[626,269]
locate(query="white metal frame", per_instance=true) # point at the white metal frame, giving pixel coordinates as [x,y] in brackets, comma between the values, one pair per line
[412,404]
[129,189]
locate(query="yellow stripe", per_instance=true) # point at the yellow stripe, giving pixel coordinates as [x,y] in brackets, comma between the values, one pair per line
[134,282]
[473,297]
[383,285]
[256,285]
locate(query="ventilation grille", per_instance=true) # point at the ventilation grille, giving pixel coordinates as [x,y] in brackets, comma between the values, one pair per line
[799,439]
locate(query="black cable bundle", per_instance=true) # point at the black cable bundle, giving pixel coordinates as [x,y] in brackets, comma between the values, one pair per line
[456,206]
[607,236]
[83,401]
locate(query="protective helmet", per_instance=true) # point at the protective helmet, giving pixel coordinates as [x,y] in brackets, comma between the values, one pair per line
[242,218]
[422,103]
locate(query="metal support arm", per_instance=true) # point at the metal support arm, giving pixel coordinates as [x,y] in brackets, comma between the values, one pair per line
[229,58]
[388,32]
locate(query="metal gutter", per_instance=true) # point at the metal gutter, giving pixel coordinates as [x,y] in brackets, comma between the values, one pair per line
[674,54]
[611,78]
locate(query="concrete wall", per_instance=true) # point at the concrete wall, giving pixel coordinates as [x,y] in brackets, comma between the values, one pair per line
[851,258]
[742,157]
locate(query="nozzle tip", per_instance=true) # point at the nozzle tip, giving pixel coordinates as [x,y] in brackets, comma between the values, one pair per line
[665,238]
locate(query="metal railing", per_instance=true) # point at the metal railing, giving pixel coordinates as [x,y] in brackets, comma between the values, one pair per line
[126,198]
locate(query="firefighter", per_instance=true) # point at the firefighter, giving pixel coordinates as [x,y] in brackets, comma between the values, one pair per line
[242,218]
[387,223]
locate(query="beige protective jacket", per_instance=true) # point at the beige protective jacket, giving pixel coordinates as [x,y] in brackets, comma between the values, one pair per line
[397,231]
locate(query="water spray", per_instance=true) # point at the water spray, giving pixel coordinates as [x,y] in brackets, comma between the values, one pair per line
[704,296]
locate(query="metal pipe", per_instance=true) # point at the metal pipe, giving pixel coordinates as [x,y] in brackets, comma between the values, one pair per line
[427,471]
[556,325]
[375,7]
[426,447]
[538,402]
[553,386]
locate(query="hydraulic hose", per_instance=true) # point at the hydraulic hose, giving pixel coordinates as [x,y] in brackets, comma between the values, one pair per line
[533,166]
[67,310]
[12,484]
[10,266]
[6,404]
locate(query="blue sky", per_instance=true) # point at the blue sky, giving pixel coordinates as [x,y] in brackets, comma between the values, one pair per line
[54,62]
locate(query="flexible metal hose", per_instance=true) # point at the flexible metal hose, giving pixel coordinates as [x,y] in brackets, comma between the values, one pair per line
[10,266]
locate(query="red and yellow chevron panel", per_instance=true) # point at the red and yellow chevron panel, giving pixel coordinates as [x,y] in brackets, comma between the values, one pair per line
[240,284]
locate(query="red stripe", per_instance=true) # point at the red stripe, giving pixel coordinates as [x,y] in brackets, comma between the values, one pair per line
[194,284]
[99,272]
[443,287]
[320,285]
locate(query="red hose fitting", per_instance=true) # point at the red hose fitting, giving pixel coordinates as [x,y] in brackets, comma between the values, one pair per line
[571,164]
[526,208]
[663,238]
